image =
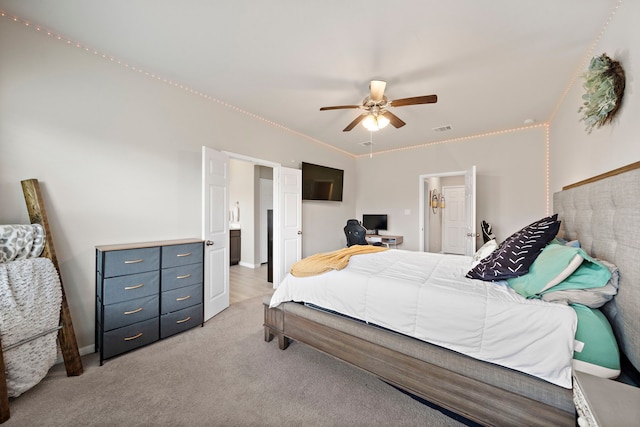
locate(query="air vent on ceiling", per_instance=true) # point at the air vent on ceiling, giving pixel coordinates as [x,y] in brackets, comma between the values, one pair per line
[442,128]
[366,143]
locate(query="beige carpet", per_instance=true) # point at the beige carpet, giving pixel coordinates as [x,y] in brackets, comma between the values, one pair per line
[222,374]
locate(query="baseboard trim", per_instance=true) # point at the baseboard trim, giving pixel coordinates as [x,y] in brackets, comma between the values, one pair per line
[245,264]
[83,352]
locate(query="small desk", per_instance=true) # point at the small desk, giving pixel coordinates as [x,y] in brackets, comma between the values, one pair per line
[387,240]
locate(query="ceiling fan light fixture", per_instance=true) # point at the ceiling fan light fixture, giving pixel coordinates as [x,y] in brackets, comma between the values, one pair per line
[382,122]
[370,123]
[374,123]
[376,105]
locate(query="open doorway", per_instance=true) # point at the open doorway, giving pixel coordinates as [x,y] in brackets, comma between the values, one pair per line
[251,197]
[439,229]
[287,223]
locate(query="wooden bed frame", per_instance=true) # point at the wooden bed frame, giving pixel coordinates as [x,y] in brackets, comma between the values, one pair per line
[498,397]
[478,401]
[66,335]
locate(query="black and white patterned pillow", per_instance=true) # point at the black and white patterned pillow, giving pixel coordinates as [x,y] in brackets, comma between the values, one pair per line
[515,255]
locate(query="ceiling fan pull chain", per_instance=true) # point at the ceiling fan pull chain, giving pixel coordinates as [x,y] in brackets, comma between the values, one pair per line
[371,144]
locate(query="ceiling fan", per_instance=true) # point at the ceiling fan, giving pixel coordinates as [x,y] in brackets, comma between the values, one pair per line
[376,105]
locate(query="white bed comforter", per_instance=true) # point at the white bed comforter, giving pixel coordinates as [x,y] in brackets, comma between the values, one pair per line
[426,296]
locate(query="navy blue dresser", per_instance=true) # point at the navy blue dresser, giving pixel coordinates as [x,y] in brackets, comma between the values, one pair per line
[146,292]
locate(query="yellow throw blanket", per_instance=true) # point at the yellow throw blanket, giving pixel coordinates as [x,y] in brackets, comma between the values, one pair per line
[336,260]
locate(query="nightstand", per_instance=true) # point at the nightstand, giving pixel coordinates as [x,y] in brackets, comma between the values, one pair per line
[603,402]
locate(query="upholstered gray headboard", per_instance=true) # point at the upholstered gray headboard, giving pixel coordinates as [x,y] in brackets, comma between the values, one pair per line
[603,213]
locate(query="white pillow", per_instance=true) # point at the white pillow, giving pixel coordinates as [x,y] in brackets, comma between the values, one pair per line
[484,251]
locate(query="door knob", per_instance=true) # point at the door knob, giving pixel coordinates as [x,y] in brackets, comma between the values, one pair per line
[299,232]
[209,243]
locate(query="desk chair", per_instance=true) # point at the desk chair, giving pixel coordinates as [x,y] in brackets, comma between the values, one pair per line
[355,233]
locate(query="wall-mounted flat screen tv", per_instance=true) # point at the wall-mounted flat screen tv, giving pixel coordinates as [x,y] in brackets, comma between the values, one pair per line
[321,182]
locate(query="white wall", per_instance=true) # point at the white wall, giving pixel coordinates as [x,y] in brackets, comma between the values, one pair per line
[433,231]
[511,181]
[577,155]
[511,167]
[118,156]
[241,189]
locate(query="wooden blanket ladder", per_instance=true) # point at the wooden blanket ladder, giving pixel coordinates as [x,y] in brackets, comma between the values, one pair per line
[66,335]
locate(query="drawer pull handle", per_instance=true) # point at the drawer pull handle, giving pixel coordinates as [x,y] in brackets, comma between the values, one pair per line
[183,277]
[133,261]
[133,337]
[187,254]
[139,285]
[133,311]
[183,298]
[184,320]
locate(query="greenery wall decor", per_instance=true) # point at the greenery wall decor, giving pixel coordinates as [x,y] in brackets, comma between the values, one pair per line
[604,84]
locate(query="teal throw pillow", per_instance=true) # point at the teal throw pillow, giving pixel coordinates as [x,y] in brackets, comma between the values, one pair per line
[560,267]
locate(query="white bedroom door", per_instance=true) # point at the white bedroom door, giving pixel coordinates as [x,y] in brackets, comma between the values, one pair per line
[290,220]
[470,206]
[454,222]
[215,230]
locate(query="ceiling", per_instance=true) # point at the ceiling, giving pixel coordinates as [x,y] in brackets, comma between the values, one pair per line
[492,63]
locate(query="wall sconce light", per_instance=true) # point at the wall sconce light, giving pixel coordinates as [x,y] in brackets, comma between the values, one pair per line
[437,201]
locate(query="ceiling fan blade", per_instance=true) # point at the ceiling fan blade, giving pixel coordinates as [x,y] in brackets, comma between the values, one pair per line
[354,123]
[393,119]
[376,89]
[427,99]
[339,107]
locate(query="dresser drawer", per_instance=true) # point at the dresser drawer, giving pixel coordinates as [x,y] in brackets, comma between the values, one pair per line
[179,321]
[128,312]
[129,261]
[180,298]
[130,337]
[124,288]
[174,255]
[178,277]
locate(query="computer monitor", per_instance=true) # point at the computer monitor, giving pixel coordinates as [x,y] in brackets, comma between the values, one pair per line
[374,223]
